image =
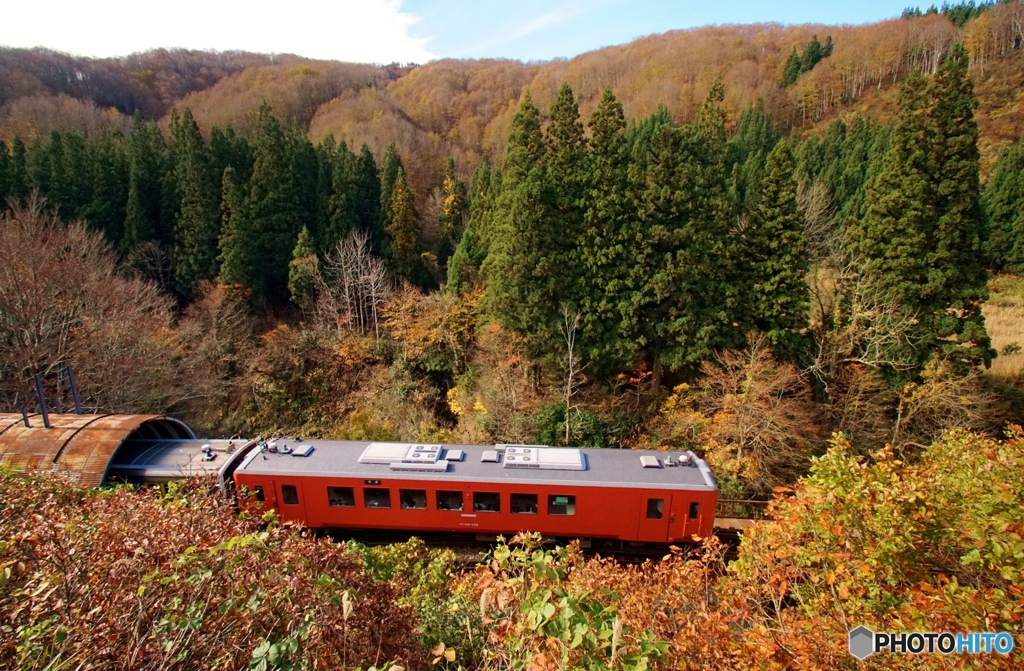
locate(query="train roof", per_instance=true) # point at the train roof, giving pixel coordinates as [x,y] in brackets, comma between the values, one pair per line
[165,460]
[534,464]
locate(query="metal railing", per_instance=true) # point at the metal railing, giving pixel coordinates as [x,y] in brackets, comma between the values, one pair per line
[746,510]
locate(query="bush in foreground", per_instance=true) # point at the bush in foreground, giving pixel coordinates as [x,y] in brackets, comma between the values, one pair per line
[144,579]
[147,579]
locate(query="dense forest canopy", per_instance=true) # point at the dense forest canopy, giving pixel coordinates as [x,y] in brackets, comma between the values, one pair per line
[595,251]
[796,250]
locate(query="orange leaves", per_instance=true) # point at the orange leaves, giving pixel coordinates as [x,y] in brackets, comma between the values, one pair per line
[208,589]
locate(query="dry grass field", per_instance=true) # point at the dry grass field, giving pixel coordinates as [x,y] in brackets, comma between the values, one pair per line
[1004,317]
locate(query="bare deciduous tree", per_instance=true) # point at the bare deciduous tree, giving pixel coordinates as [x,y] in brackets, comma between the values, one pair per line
[63,301]
[572,364]
[761,419]
[352,287]
[821,230]
[854,323]
[942,400]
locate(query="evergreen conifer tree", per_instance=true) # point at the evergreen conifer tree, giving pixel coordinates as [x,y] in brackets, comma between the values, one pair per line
[813,53]
[77,189]
[754,138]
[777,294]
[863,152]
[147,162]
[197,225]
[404,246]
[55,175]
[325,159]
[105,210]
[958,283]
[37,160]
[368,197]
[17,171]
[277,205]
[922,235]
[239,247]
[343,202]
[471,250]
[303,174]
[228,148]
[1004,203]
[301,270]
[453,210]
[609,241]
[791,71]
[523,289]
[833,146]
[688,292]
[567,160]
[390,164]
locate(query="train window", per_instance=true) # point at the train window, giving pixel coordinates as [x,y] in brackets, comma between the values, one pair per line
[694,510]
[260,496]
[290,495]
[413,499]
[376,498]
[561,504]
[524,504]
[655,509]
[449,500]
[341,497]
[486,502]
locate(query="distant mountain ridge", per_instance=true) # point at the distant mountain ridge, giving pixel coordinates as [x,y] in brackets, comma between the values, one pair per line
[463,108]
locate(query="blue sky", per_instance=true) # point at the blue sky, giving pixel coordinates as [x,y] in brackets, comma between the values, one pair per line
[383,31]
[541,30]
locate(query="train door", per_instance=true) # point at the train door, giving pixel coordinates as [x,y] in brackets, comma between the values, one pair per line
[693,512]
[291,503]
[655,515]
[686,517]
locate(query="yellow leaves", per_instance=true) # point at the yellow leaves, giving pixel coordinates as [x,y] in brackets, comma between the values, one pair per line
[442,653]
[844,592]
[454,400]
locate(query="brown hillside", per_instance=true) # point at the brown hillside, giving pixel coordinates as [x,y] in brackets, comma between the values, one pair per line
[464,108]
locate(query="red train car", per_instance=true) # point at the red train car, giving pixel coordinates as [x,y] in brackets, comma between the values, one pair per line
[625,495]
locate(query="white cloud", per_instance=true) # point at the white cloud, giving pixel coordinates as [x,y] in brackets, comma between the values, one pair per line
[546,20]
[374,31]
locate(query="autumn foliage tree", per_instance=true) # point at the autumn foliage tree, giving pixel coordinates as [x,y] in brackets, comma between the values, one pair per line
[58,308]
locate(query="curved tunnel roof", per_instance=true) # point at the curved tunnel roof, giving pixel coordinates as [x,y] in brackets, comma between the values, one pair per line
[78,446]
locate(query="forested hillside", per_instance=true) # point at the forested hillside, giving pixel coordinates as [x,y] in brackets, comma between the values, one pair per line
[806,75]
[734,239]
[797,251]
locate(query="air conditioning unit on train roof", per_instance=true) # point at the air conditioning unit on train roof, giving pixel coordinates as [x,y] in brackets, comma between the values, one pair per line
[405,453]
[545,458]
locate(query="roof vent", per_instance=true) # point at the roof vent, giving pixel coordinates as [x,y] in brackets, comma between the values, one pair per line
[410,453]
[545,458]
[489,457]
[439,467]
[422,454]
[454,455]
[303,451]
[650,462]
